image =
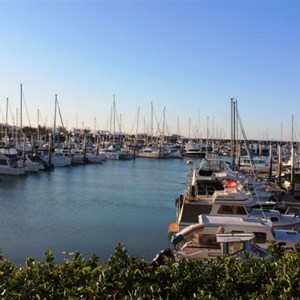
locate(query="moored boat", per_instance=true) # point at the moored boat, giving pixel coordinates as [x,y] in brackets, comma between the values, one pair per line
[10,166]
[188,243]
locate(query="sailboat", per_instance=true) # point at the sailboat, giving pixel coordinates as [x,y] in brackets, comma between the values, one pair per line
[152,149]
[9,155]
[57,158]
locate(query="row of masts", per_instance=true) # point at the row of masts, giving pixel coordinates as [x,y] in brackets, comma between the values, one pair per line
[236,126]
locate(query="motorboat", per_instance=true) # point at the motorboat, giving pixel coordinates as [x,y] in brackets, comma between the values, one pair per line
[9,166]
[29,165]
[110,153]
[225,197]
[254,164]
[74,154]
[151,151]
[241,245]
[193,150]
[95,158]
[173,153]
[230,204]
[57,158]
[200,240]
[221,245]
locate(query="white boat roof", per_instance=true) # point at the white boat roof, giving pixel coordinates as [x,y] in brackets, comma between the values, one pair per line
[233,221]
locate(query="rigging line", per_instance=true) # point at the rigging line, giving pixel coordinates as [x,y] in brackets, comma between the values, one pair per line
[157,123]
[226,123]
[295,124]
[11,114]
[133,125]
[3,118]
[194,128]
[118,120]
[167,129]
[62,123]
[122,126]
[252,164]
[258,200]
[40,116]
[2,115]
[23,98]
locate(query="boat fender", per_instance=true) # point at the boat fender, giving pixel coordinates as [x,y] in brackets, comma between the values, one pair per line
[173,228]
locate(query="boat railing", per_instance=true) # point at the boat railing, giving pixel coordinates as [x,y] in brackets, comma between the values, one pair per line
[293,210]
[207,190]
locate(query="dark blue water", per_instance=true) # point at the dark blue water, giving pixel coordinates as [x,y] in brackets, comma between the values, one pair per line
[90,209]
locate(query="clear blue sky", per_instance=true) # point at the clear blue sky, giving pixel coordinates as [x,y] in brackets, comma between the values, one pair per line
[189,57]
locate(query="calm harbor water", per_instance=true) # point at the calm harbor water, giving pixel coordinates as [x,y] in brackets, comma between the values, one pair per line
[90,209]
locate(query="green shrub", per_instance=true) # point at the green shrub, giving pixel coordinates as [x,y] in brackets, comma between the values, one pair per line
[125,277]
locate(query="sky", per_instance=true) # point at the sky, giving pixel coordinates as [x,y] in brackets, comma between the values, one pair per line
[176,63]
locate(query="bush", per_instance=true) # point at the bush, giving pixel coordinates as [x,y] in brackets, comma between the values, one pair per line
[125,277]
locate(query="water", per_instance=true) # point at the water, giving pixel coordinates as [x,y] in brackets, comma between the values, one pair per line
[90,209]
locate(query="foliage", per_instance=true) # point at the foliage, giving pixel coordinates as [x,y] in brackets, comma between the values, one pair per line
[125,277]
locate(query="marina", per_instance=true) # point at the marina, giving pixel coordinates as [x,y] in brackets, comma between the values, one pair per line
[90,208]
[78,203]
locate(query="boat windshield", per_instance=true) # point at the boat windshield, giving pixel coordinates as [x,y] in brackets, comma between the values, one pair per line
[234,247]
[214,165]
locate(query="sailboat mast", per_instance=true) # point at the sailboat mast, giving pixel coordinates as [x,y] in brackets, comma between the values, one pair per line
[164,124]
[137,131]
[177,129]
[21,101]
[54,126]
[207,134]
[233,114]
[292,133]
[114,120]
[38,126]
[137,122]
[6,122]
[151,132]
